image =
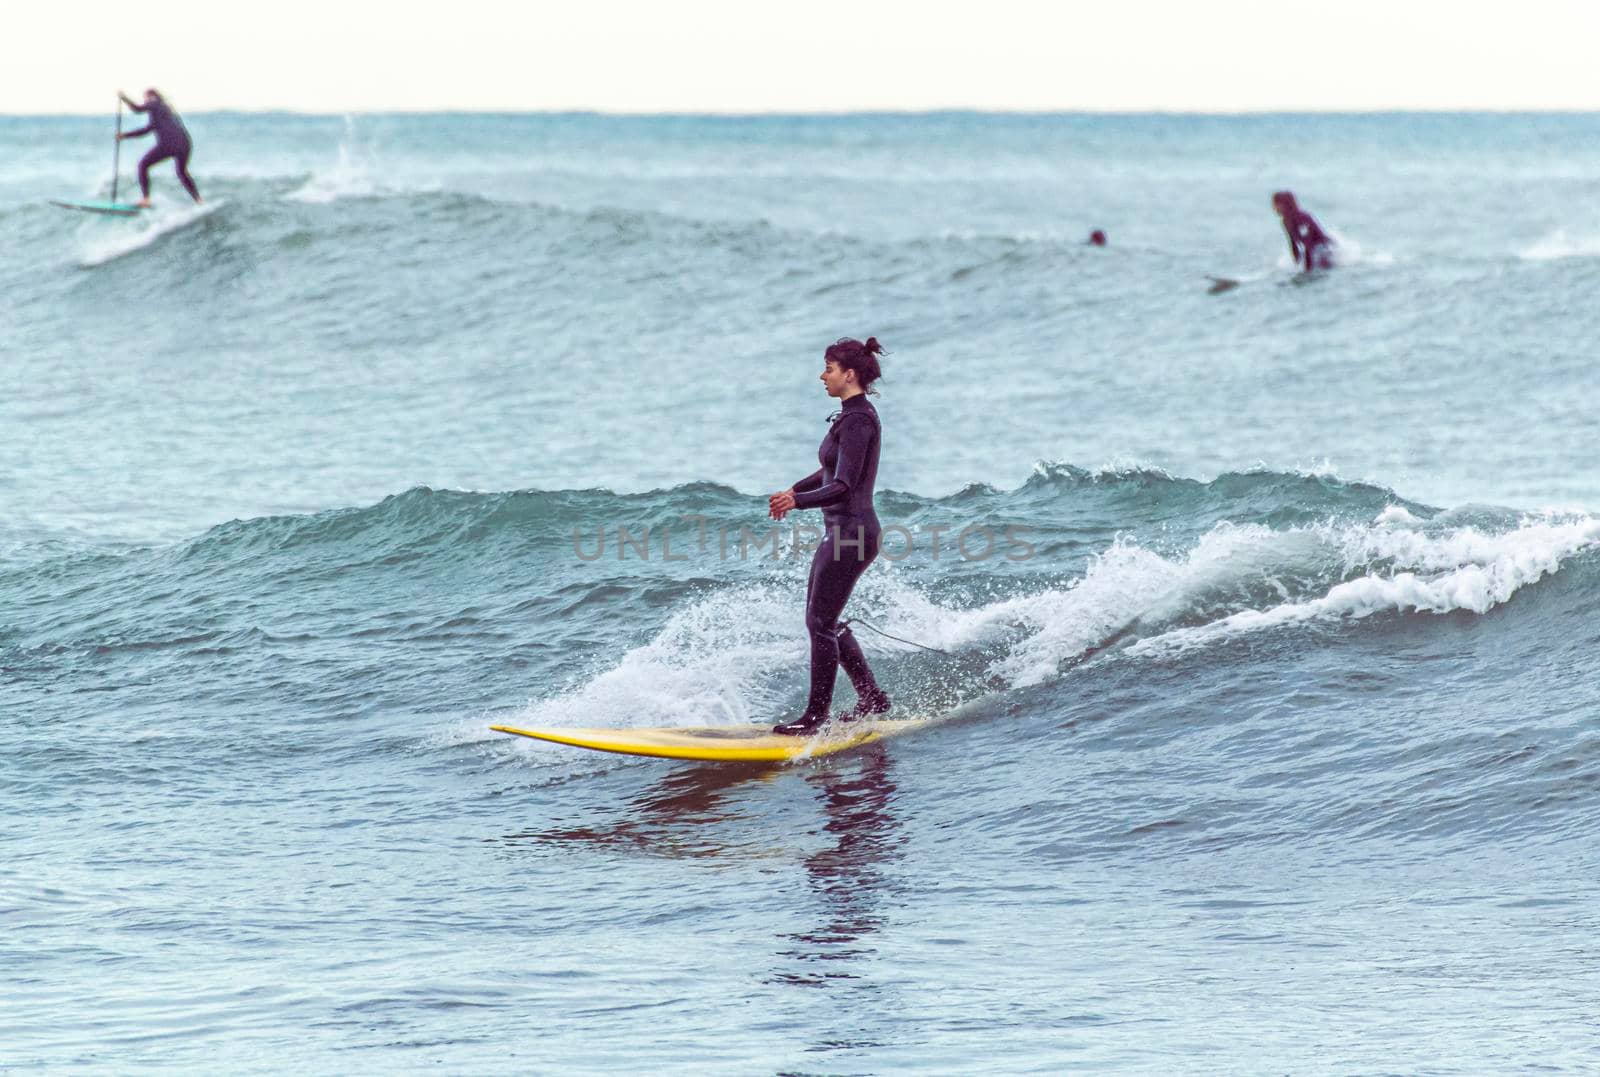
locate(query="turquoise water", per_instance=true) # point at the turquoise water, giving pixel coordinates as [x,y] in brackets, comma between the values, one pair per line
[1276,751]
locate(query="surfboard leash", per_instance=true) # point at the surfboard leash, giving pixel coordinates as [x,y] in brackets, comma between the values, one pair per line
[847,622]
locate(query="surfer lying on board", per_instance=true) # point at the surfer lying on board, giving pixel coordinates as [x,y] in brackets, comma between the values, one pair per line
[842,489]
[1308,243]
[172,140]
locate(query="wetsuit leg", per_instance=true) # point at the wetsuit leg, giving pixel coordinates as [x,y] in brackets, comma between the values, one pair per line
[157,154]
[835,568]
[181,160]
[870,699]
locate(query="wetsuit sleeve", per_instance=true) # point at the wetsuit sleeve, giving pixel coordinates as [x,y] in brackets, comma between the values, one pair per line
[1311,238]
[810,482]
[135,106]
[145,130]
[855,441]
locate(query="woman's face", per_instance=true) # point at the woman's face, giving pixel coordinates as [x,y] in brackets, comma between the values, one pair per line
[837,379]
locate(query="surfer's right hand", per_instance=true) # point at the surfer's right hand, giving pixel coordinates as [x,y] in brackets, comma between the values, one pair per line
[779,504]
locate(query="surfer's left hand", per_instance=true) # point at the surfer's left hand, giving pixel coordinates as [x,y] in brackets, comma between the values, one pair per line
[779,504]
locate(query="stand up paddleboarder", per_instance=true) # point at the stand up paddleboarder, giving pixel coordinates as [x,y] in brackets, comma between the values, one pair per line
[172,140]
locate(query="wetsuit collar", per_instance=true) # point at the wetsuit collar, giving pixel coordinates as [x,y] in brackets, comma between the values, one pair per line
[855,403]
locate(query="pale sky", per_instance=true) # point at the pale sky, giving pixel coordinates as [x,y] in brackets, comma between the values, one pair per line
[822,55]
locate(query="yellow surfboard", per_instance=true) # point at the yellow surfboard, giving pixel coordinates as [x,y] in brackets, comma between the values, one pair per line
[721,744]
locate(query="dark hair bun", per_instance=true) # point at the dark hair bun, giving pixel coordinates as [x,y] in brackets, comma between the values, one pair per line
[850,354]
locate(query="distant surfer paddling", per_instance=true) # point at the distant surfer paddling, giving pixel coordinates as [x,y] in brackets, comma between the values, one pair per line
[1309,245]
[842,489]
[172,140]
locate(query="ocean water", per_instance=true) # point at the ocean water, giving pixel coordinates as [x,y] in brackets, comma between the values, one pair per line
[1268,739]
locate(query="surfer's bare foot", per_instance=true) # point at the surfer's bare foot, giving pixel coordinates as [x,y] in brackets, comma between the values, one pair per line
[143,203]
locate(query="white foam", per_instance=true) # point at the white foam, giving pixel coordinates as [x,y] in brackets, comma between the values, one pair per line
[344,180]
[1462,570]
[713,663]
[1320,469]
[1349,252]
[1397,514]
[736,656]
[1128,585]
[1122,468]
[1061,624]
[1402,568]
[350,176]
[1558,245]
[123,237]
[1346,252]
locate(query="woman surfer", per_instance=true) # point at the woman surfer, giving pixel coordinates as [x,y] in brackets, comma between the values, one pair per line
[1308,243]
[172,140]
[842,489]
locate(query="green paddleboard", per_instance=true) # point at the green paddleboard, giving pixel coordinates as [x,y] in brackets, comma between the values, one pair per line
[116,209]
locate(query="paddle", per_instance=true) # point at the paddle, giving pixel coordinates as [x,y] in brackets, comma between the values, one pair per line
[116,151]
[113,207]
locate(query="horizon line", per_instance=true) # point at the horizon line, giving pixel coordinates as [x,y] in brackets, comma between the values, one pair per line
[862,112]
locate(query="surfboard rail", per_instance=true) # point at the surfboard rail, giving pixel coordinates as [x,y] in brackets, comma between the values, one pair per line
[113,209]
[719,744]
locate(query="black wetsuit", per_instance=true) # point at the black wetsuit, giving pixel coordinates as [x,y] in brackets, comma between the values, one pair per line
[172,140]
[1308,243]
[842,489]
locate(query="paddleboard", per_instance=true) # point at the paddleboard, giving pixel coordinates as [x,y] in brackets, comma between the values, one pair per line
[119,209]
[720,744]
